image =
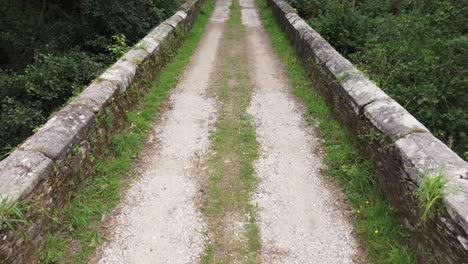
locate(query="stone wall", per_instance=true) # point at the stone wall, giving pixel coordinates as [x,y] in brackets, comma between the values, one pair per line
[399,148]
[49,166]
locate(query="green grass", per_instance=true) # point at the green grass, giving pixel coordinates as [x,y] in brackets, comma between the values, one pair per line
[11,213]
[430,193]
[231,176]
[383,238]
[80,221]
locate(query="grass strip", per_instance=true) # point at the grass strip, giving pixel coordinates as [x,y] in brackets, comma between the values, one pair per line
[80,223]
[383,238]
[232,234]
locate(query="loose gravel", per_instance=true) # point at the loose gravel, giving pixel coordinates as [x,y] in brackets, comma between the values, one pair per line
[159,221]
[299,213]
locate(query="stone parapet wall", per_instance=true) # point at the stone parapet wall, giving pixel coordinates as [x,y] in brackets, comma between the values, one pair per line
[399,148]
[60,157]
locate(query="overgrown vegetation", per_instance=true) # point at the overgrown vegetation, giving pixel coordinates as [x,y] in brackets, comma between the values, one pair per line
[430,193]
[50,49]
[384,240]
[417,51]
[231,176]
[119,46]
[80,223]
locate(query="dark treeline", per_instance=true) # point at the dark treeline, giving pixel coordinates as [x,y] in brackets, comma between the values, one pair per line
[50,49]
[416,50]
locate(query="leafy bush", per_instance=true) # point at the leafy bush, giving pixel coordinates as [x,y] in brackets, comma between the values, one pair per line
[18,120]
[50,49]
[341,25]
[119,47]
[417,51]
[28,97]
[130,18]
[52,79]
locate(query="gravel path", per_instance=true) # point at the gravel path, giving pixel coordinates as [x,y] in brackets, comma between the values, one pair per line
[159,221]
[299,213]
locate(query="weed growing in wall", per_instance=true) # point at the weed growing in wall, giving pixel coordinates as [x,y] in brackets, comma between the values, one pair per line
[430,193]
[10,214]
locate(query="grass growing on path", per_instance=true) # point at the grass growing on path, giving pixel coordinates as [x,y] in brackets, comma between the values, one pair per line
[232,235]
[384,240]
[80,223]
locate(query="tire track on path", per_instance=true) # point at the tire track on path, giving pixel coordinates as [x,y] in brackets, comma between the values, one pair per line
[158,221]
[299,216]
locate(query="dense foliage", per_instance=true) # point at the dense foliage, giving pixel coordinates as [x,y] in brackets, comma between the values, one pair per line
[416,50]
[50,49]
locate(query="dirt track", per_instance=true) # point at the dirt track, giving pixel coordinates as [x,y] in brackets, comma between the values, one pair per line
[299,219]
[300,214]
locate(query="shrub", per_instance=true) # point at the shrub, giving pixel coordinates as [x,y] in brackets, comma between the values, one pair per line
[417,51]
[50,49]
[119,46]
[130,18]
[28,97]
[18,120]
[341,24]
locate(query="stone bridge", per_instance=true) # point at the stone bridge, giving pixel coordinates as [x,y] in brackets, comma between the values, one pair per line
[44,172]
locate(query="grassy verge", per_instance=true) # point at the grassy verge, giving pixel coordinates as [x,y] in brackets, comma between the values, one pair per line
[80,223]
[232,235]
[383,239]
